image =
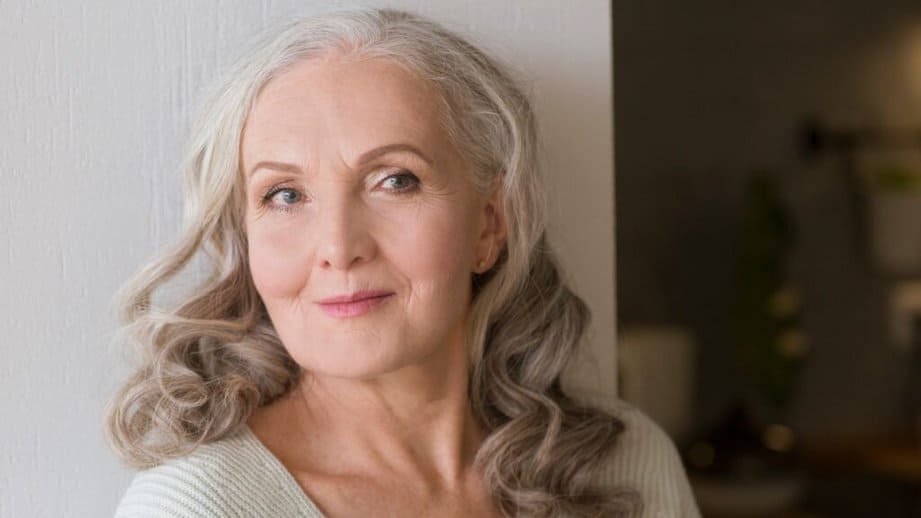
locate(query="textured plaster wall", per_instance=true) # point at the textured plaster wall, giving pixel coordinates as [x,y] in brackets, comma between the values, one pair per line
[96,98]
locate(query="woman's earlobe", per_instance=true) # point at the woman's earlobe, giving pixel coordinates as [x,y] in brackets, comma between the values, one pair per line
[481,264]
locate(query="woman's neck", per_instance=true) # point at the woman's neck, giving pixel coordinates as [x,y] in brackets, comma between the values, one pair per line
[415,423]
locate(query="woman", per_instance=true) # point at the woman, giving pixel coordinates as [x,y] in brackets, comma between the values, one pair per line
[385,327]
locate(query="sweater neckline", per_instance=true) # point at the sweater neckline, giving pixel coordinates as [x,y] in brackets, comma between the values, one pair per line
[279,470]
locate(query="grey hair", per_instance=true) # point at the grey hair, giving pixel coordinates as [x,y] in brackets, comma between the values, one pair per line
[210,360]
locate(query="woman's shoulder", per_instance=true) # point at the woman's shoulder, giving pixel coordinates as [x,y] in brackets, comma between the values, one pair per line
[227,477]
[646,459]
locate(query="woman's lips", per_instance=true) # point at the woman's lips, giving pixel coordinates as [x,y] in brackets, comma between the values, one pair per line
[354,308]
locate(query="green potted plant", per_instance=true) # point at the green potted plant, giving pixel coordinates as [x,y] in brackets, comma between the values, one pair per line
[746,463]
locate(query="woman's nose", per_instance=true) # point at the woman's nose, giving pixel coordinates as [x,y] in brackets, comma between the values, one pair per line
[343,238]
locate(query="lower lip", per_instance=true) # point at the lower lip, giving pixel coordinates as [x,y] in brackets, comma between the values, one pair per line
[353,309]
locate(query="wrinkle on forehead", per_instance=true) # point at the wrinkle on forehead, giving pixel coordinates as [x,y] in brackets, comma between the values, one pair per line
[351,104]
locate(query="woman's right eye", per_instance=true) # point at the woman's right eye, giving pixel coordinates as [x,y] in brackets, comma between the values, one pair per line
[282,199]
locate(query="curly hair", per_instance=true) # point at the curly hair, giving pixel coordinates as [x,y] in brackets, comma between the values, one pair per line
[208,361]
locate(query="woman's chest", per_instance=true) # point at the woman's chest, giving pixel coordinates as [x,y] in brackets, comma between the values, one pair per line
[343,497]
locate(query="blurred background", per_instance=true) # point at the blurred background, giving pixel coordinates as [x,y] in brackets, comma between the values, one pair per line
[768,187]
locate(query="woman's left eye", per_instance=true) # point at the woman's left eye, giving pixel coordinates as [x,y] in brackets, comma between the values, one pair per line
[402,182]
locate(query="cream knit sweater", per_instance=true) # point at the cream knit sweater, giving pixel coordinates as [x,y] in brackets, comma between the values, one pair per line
[239,477]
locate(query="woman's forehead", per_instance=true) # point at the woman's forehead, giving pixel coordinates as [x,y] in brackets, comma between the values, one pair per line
[351,103]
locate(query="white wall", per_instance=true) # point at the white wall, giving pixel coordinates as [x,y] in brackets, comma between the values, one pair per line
[96,98]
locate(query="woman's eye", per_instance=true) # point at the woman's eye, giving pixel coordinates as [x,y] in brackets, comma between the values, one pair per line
[282,198]
[401,182]
[286,199]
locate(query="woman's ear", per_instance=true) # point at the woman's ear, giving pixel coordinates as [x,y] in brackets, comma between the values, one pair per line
[494,227]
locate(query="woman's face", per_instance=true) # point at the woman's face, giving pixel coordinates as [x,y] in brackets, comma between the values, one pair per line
[351,185]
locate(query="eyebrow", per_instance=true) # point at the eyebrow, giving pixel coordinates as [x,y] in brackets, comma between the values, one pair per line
[365,157]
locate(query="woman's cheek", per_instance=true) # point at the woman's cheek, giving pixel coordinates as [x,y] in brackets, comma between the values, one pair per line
[276,263]
[442,245]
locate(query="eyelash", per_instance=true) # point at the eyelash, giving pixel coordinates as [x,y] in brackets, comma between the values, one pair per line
[267,198]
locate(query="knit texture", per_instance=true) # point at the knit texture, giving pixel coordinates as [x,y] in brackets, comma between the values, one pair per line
[239,477]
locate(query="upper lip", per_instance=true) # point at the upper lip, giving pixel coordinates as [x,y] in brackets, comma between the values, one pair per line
[358,295]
